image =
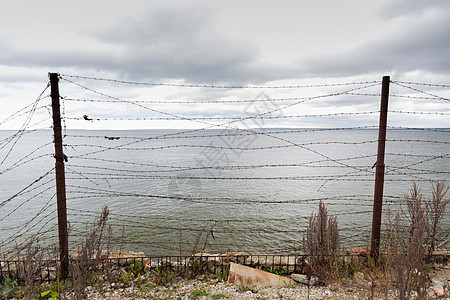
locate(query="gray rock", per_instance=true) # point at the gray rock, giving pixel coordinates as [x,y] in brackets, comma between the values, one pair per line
[436,283]
[301,278]
[49,274]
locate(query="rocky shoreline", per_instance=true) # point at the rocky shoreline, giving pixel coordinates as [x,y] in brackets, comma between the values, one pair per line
[124,284]
[198,289]
[212,289]
[204,288]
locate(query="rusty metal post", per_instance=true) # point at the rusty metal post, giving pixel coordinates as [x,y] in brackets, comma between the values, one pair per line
[379,173]
[60,178]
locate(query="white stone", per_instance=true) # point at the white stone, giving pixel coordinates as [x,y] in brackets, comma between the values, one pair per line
[301,278]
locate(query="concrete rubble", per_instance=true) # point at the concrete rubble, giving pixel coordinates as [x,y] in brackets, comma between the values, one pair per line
[303,279]
[240,274]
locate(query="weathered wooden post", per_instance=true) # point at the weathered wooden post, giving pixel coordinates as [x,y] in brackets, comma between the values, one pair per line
[60,178]
[379,173]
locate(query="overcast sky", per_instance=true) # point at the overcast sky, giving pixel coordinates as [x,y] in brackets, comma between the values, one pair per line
[262,43]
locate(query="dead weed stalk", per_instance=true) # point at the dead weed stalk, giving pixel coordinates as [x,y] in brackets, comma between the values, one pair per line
[321,243]
[89,257]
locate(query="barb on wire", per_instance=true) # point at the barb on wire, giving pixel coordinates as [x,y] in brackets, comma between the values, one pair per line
[178,135]
[217,86]
[419,112]
[24,126]
[228,118]
[436,97]
[89,168]
[23,111]
[26,201]
[423,84]
[238,148]
[228,123]
[26,188]
[24,160]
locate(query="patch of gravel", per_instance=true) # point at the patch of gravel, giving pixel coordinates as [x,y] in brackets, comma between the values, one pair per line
[203,288]
[196,289]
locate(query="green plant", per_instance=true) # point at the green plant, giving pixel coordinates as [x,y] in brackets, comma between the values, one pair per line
[290,284]
[51,291]
[164,276]
[140,279]
[275,270]
[248,288]
[199,266]
[170,292]
[196,264]
[137,268]
[92,278]
[8,288]
[144,288]
[221,275]
[199,293]
[125,277]
[50,294]
[219,296]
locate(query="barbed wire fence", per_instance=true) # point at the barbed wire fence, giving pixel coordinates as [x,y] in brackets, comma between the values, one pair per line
[238,170]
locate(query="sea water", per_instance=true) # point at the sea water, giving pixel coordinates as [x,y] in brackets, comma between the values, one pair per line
[177,191]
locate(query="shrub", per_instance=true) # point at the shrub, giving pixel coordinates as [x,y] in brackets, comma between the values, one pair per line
[89,257]
[321,243]
[436,211]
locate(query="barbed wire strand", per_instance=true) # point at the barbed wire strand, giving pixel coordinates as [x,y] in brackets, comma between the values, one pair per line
[26,188]
[358,173]
[228,118]
[270,111]
[218,86]
[24,125]
[421,83]
[421,91]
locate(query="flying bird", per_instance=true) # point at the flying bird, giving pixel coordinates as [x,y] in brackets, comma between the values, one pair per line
[111,138]
[87,118]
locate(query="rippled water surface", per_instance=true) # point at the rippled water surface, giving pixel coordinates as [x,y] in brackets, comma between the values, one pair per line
[169,191]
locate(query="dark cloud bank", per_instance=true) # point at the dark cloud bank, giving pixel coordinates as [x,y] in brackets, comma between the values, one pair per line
[183,43]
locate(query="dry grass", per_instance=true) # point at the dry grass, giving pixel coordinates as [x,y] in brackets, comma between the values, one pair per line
[436,210]
[408,269]
[31,265]
[89,255]
[410,241]
[32,257]
[402,269]
[321,243]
